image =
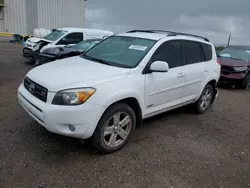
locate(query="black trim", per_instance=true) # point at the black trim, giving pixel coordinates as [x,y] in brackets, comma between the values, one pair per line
[31,103]
[38,91]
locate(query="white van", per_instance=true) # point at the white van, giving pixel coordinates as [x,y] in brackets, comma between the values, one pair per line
[60,38]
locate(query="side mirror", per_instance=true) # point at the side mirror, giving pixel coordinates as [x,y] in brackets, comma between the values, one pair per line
[159,66]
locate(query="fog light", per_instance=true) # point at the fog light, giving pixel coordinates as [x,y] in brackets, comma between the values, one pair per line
[72,128]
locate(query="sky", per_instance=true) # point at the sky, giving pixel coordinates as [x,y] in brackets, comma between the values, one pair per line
[213,19]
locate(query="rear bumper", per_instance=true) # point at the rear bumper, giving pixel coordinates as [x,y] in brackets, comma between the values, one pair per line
[42,59]
[232,78]
[216,93]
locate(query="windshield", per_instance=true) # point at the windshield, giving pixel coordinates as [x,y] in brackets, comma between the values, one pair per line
[120,51]
[85,45]
[55,35]
[235,54]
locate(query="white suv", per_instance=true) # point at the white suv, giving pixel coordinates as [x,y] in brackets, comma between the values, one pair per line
[124,79]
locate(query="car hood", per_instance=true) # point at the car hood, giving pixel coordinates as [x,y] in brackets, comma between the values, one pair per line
[75,72]
[232,62]
[35,40]
[59,50]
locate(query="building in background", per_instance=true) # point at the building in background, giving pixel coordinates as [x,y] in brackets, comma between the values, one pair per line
[23,16]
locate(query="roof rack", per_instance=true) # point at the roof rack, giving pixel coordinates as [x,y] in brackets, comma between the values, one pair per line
[169,33]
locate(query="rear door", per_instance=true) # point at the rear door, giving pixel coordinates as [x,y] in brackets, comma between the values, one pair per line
[194,69]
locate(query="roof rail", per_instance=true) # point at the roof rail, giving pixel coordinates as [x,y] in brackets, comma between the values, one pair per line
[169,33]
[143,31]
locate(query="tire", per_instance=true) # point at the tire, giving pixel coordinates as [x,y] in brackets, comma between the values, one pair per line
[199,108]
[108,122]
[246,83]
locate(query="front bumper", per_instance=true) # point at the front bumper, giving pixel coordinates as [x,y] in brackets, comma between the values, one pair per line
[234,78]
[44,58]
[29,54]
[57,118]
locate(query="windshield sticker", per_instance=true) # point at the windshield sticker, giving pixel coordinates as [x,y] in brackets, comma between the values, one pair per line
[225,55]
[138,47]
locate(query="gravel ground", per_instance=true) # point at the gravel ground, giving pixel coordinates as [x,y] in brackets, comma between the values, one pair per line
[175,149]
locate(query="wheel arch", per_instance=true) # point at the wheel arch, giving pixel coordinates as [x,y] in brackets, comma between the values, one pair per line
[212,82]
[134,103]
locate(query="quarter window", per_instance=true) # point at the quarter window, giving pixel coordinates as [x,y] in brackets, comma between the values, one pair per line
[170,53]
[192,51]
[207,49]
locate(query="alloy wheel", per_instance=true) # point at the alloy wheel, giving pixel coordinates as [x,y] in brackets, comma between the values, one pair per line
[117,129]
[206,99]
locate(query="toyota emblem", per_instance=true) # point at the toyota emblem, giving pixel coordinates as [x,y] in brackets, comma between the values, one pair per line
[31,88]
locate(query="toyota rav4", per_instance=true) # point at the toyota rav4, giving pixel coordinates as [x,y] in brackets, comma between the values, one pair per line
[106,92]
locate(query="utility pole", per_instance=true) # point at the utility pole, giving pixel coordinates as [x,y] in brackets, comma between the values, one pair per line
[229,38]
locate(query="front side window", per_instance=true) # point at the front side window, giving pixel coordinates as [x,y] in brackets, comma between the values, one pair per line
[192,51]
[170,53]
[72,38]
[55,35]
[121,51]
[85,45]
[234,53]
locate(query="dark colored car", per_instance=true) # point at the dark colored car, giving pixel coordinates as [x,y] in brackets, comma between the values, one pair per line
[52,54]
[235,66]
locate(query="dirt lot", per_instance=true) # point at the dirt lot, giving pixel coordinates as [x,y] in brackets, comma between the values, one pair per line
[177,149]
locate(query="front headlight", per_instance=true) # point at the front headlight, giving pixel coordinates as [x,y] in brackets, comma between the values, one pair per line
[73,96]
[240,69]
[38,45]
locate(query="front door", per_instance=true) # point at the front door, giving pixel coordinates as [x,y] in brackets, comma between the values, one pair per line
[163,89]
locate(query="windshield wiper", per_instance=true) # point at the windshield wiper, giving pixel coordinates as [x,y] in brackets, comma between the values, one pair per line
[96,60]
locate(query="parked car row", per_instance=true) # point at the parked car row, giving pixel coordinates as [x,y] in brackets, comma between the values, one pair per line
[108,90]
[56,53]
[60,38]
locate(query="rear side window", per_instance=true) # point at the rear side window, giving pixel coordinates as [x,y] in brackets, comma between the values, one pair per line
[207,49]
[170,53]
[192,51]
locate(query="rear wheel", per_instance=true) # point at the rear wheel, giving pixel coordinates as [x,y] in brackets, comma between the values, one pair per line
[246,83]
[114,128]
[205,100]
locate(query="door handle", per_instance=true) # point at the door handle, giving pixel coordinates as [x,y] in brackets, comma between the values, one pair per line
[181,75]
[206,70]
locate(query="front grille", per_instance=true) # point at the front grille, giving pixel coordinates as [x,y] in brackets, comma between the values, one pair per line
[226,70]
[35,89]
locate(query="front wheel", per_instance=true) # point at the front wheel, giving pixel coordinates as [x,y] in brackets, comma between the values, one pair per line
[114,128]
[205,100]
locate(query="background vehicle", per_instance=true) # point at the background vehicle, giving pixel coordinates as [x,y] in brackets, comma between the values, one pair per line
[126,78]
[235,66]
[60,38]
[52,54]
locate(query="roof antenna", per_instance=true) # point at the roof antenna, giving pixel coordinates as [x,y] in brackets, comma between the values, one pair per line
[229,38]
